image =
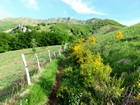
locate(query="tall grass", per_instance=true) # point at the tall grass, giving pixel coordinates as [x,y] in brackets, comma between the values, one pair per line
[11,67]
[40,91]
[123,55]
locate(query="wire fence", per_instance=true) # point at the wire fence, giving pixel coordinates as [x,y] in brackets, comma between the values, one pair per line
[14,81]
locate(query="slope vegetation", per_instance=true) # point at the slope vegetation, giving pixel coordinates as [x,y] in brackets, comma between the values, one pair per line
[123,54]
[103,69]
[91,27]
[5,25]
[70,25]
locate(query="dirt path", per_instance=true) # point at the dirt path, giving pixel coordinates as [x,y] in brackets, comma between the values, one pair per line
[52,97]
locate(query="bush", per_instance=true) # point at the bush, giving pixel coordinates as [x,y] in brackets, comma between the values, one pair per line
[19,40]
[86,80]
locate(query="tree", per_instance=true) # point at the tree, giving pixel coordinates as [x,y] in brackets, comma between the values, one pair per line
[34,45]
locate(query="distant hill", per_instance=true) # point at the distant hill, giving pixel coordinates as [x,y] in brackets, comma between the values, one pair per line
[30,21]
[65,20]
[92,26]
[5,25]
[24,20]
[67,25]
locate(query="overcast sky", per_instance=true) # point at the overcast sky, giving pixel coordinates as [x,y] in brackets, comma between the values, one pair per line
[124,11]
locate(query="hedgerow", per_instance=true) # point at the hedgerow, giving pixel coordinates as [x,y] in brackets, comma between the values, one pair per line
[86,80]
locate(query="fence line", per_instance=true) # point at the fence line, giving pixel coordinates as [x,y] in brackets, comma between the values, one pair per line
[38,63]
[26,69]
[22,80]
[49,53]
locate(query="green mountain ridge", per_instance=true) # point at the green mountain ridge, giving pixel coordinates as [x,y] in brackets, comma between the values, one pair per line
[30,21]
[92,26]
[5,25]
[66,25]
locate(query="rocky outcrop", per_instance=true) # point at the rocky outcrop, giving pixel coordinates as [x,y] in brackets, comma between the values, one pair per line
[23,28]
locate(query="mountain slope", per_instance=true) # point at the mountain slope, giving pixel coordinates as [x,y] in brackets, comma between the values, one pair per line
[5,25]
[91,25]
[24,20]
[122,54]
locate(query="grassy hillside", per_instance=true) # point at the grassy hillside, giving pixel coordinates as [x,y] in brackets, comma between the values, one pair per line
[122,55]
[40,91]
[24,20]
[89,78]
[5,25]
[12,23]
[94,68]
[72,29]
[106,29]
[65,20]
[11,67]
[70,25]
[30,21]
[100,69]
[96,27]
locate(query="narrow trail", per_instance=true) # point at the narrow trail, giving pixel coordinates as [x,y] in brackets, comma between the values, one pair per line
[52,97]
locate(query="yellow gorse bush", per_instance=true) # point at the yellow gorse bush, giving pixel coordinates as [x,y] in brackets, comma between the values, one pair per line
[97,62]
[93,68]
[138,96]
[76,48]
[138,86]
[92,40]
[119,35]
[88,77]
[79,53]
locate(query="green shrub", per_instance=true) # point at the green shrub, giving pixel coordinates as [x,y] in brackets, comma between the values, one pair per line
[86,80]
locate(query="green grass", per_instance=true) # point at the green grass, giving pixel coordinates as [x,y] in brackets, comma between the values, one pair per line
[107,29]
[11,66]
[45,28]
[39,92]
[5,25]
[123,55]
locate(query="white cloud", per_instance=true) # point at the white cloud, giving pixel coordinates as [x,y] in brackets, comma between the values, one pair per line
[131,22]
[32,4]
[81,7]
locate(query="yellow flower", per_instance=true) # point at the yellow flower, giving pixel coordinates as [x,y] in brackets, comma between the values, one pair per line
[138,85]
[119,35]
[97,63]
[92,40]
[138,96]
[76,48]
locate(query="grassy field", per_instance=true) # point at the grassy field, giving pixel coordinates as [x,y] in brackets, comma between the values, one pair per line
[11,66]
[39,92]
[45,28]
[5,25]
[123,55]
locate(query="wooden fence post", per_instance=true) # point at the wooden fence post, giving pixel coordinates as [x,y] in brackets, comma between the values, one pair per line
[49,55]
[54,54]
[65,46]
[38,63]
[60,51]
[26,69]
